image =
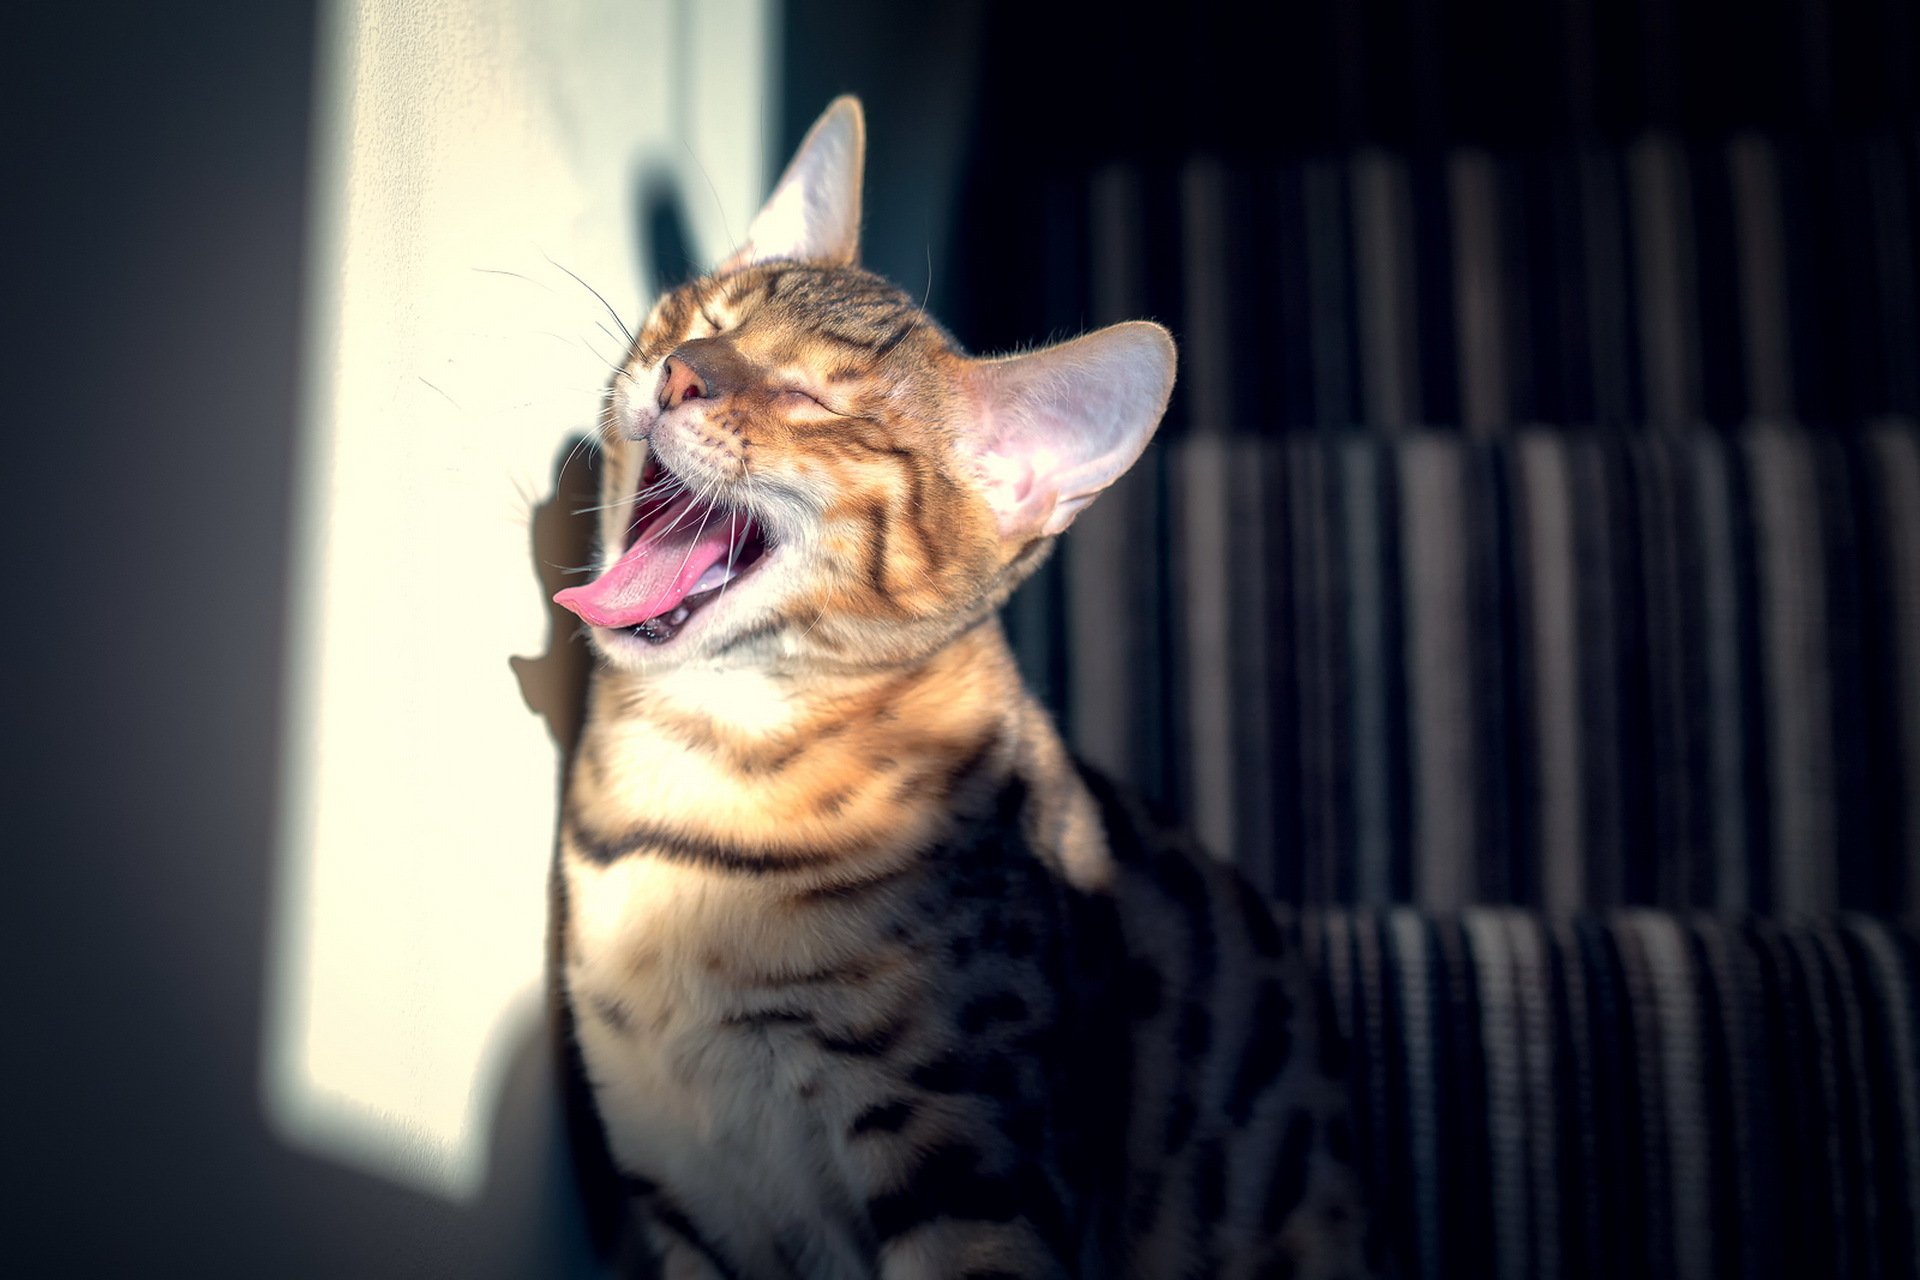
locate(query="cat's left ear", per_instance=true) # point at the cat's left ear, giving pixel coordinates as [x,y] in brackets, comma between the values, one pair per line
[813,214]
[1057,426]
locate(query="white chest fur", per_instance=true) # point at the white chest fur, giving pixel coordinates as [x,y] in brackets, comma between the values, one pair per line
[694,1094]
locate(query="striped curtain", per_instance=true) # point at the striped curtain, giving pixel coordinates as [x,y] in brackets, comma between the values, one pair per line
[1638,1095]
[1570,670]
[1463,213]
[1530,526]
[1537,522]
[1657,283]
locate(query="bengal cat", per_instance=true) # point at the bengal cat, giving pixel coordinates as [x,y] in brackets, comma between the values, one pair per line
[869,979]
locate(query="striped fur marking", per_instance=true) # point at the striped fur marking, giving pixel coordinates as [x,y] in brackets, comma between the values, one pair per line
[869,978]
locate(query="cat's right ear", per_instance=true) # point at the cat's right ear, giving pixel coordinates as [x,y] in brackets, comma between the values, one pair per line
[813,214]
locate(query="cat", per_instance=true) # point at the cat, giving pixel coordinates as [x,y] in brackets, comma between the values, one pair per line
[868,978]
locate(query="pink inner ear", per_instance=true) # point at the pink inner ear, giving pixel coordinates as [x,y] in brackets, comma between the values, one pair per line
[1060,425]
[1011,486]
[813,214]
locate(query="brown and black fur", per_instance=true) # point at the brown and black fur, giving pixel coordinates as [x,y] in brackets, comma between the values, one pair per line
[869,979]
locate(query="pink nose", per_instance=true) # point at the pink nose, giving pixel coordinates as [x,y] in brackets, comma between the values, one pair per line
[678,382]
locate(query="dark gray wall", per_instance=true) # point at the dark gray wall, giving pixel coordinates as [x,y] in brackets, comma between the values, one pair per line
[155,170]
[915,68]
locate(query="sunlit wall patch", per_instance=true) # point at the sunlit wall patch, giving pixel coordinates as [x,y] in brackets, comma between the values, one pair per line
[477,169]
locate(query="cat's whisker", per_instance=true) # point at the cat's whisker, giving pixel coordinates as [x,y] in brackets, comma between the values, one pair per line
[501,271]
[596,507]
[638,500]
[575,340]
[585,441]
[442,394]
[684,512]
[657,534]
[817,615]
[619,370]
[746,480]
[524,492]
[719,206]
[657,489]
[736,529]
[596,293]
[706,504]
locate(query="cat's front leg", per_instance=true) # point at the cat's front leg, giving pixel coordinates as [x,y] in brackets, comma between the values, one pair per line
[663,1244]
[956,1249]
[951,1210]
[951,1202]
[958,1183]
[674,1259]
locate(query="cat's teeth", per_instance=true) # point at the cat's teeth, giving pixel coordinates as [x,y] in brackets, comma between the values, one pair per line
[717,575]
[679,616]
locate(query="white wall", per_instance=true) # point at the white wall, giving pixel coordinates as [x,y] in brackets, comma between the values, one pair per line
[469,157]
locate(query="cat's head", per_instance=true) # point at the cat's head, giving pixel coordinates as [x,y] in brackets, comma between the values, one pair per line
[803,471]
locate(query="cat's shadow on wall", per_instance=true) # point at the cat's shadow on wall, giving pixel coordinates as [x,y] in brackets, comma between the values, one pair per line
[553,685]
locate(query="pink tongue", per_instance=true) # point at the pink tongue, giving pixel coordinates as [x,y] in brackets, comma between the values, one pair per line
[658,570]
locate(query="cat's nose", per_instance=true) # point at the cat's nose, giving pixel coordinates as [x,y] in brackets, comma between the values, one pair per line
[680,382]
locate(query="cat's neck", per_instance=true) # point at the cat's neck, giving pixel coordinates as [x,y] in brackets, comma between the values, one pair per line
[857,763]
[833,760]
[968,683]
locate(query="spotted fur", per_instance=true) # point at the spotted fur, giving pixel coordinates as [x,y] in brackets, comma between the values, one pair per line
[868,978]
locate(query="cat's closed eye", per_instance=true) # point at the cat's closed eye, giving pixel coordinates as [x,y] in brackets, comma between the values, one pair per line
[799,397]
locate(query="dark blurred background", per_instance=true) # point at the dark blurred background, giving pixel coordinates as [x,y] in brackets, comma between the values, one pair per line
[1535,521]
[1532,521]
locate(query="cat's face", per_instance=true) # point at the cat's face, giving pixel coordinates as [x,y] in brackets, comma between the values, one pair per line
[802,470]
[782,482]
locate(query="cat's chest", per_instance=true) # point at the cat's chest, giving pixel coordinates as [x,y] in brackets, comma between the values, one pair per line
[687,1042]
[653,950]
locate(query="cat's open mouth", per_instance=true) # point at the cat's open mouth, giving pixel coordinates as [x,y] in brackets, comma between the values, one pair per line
[683,551]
